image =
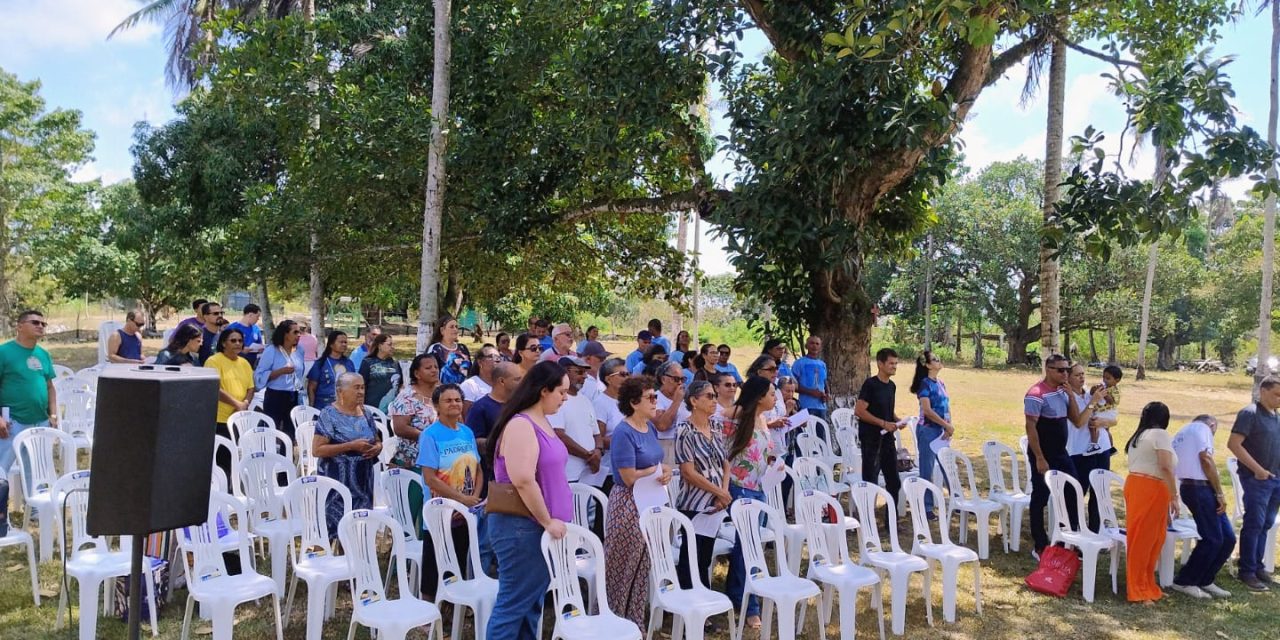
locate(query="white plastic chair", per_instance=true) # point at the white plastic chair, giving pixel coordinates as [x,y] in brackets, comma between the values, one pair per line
[901,437]
[312,553]
[895,563]
[242,421]
[1008,492]
[793,534]
[236,487]
[62,371]
[371,605]
[308,464]
[380,421]
[1026,465]
[76,413]
[259,475]
[831,565]
[479,592]
[585,498]
[44,456]
[786,589]
[105,330]
[1237,514]
[811,445]
[1182,529]
[90,560]
[396,483]
[844,418]
[17,538]
[207,580]
[691,607]
[264,438]
[1089,543]
[814,473]
[850,452]
[572,620]
[303,413]
[965,499]
[1103,482]
[947,554]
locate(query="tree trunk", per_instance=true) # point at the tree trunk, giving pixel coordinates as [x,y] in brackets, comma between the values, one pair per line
[845,327]
[682,245]
[1050,275]
[433,211]
[697,282]
[267,317]
[1166,359]
[959,329]
[317,292]
[1153,256]
[977,346]
[1111,345]
[1017,347]
[928,293]
[1269,210]
[1093,347]
[5,315]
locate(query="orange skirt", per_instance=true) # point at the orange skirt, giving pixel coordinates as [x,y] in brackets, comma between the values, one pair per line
[1146,502]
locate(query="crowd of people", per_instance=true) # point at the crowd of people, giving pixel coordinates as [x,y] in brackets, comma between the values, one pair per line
[506,431]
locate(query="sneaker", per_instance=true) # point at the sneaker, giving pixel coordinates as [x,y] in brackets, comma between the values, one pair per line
[1265,577]
[1254,584]
[1093,448]
[1215,591]
[931,516]
[1191,590]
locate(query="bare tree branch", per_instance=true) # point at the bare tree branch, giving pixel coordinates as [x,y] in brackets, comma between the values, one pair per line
[1105,57]
[1015,54]
[764,21]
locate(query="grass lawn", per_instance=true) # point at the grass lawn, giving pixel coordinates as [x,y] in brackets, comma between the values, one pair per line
[986,405]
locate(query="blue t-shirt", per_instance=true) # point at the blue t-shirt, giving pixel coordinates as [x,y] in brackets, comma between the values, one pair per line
[730,369]
[662,340]
[325,374]
[546,342]
[784,370]
[811,373]
[452,453]
[633,359]
[483,415]
[633,450]
[939,401]
[358,355]
[252,335]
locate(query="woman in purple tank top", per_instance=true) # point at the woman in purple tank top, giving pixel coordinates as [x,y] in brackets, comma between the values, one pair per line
[526,453]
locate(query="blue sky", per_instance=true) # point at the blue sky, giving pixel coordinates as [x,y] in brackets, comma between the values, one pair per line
[119,82]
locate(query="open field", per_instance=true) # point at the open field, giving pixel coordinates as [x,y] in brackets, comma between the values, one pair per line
[986,405]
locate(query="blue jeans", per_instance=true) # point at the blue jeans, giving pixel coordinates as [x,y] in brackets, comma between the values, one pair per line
[1217,539]
[522,577]
[736,583]
[1261,500]
[925,435]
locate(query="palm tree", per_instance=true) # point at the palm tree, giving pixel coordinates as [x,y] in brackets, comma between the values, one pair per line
[1050,274]
[190,42]
[1269,209]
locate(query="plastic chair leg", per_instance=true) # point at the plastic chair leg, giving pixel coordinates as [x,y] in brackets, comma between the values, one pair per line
[224,620]
[898,600]
[151,594]
[316,597]
[1015,531]
[89,609]
[786,622]
[275,604]
[984,536]
[35,579]
[964,527]
[766,618]
[278,554]
[1090,573]
[848,617]
[949,588]
[1165,567]
[1269,555]
[977,587]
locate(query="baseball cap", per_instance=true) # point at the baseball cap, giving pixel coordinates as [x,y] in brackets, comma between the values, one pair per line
[593,348]
[573,361]
[644,335]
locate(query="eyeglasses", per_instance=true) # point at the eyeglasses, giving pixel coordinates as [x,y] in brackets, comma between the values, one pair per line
[38,323]
[1060,369]
[651,397]
[768,368]
[707,396]
[724,353]
[534,348]
[235,340]
[618,373]
[214,313]
[671,377]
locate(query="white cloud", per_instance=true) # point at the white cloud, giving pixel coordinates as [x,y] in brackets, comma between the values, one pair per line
[91,170]
[66,25]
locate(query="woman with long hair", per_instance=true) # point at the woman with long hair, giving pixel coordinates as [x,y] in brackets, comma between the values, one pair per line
[704,364]
[528,349]
[280,374]
[235,386]
[503,342]
[935,416]
[411,413]
[636,453]
[750,450]
[527,453]
[704,472]
[776,348]
[183,347]
[654,357]
[680,347]
[1150,499]
[726,392]
[322,380]
[381,372]
[453,357]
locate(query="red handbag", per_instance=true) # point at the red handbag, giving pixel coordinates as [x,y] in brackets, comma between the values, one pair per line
[1058,569]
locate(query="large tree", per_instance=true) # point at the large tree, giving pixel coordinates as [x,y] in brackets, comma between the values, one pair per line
[39,151]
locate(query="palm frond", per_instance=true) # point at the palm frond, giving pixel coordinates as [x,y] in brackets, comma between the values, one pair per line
[157,11]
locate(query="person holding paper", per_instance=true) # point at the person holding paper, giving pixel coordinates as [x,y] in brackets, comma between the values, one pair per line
[636,455]
[751,450]
[704,472]
[935,416]
[876,423]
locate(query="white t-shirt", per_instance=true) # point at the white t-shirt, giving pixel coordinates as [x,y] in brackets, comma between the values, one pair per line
[474,388]
[1104,435]
[591,388]
[1187,445]
[577,418]
[1078,437]
[682,414]
[607,412]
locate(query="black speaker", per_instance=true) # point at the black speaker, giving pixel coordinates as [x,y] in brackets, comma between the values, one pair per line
[152,449]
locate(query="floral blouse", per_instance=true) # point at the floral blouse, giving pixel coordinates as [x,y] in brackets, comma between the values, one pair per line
[747,468]
[422,414]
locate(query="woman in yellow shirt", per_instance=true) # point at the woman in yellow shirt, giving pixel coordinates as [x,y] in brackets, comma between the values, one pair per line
[235,385]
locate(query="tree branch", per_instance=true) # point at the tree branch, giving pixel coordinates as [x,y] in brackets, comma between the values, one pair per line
[764,22]
[1015,54]
[1105,57]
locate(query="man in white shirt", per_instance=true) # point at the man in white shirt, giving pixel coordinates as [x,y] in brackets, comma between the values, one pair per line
[1201,491]
[576,425]
[671,409]
[479,385]
[594,354]
[561,344]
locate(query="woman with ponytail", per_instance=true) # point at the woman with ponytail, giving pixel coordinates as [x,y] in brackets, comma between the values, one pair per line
[935,416]
[1150,499]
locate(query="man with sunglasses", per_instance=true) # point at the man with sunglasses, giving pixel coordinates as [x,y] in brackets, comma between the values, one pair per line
[1048,406]
[671,409]
[561,344]
[26,395]
[725,366]
[212,323]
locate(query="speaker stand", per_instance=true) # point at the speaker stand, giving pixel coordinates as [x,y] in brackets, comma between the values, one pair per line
[135,588]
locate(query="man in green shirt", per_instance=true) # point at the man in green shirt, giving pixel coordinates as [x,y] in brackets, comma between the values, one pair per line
[27,397]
